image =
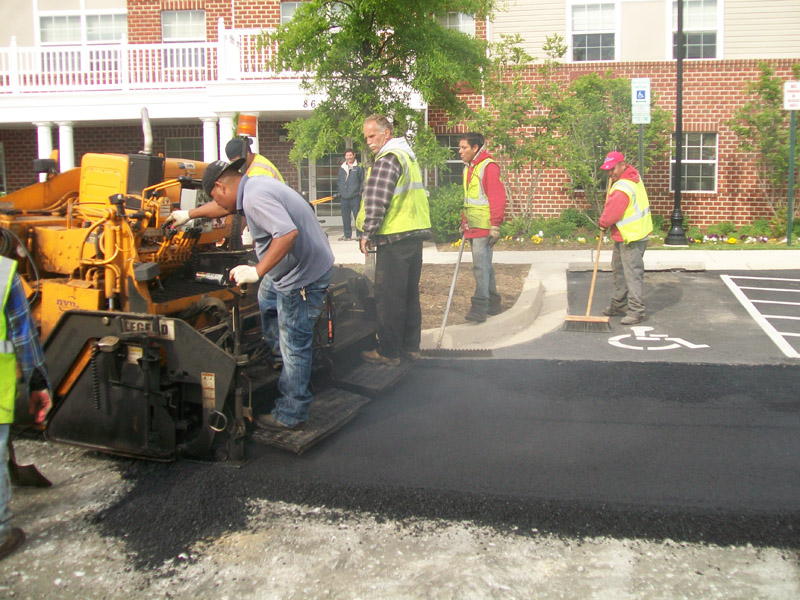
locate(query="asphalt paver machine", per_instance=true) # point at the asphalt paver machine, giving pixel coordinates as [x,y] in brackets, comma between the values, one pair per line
[151,353]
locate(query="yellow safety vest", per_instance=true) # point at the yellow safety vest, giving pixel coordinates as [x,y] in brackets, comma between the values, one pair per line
[262,166]
[8,360]
[636,223]
[476,202]
[409,209]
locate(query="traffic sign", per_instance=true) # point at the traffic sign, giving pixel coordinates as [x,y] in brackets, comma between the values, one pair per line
[791,95]
[640,100]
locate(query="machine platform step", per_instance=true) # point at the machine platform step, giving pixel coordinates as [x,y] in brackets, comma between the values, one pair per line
[370,379]
[329,411]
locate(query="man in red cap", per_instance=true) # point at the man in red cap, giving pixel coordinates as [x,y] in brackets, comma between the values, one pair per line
[627,215]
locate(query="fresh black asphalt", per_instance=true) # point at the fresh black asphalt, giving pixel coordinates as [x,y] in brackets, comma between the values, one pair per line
[567,434]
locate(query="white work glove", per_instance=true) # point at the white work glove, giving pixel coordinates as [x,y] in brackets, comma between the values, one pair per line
[244,274]
[247,239]
[178,217]
[494,234]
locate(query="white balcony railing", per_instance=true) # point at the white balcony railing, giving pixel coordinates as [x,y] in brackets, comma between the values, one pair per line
[126,66]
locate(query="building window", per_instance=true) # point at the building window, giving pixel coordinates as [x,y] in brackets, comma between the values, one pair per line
[698,163]
[453,170]
[458,21]
[184,147]
[593,27]
[699,28]
[327,182]
[106,28]
[60,29]
[183,26]
[287,11]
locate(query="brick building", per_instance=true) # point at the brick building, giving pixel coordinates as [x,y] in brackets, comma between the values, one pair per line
[74,76]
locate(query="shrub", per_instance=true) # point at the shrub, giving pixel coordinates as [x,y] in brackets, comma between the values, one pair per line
[446,204]
[758,228]
[578,219]
[724,229]
[660,224]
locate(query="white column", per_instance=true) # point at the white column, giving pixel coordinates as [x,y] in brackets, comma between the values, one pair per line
[66,147]
[254,145]
[210,144]
[225,132]
[45,140]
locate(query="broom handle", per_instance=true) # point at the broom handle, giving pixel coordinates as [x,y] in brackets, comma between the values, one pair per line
[452,289]
[597,259]
[594,275]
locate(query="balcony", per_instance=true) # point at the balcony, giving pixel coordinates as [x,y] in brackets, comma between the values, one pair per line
[131,67]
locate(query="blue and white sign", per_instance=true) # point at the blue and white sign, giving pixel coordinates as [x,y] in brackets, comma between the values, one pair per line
[640,100]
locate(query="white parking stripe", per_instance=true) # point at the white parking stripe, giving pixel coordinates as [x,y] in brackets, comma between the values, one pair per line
[773,333]
[744,287]
[775,302]
[761,278]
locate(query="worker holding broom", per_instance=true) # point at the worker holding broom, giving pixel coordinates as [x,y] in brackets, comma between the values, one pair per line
[484,208]
[627,215]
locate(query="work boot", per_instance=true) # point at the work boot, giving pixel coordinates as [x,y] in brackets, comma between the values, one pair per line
[270,423]
[495,308]
[475,315]
[411,356]
[632,319]
[610,311]
[14,539]
[375,357]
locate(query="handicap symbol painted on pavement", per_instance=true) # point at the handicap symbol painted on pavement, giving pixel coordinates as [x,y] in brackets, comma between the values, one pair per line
[653,341]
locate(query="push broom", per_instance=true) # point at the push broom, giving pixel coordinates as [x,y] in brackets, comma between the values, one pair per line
[588,322]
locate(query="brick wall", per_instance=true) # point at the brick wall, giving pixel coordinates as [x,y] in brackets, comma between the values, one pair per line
[20,147]
[712,92]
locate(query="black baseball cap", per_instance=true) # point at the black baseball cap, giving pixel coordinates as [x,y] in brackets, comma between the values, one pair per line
[234,148]
[215,170]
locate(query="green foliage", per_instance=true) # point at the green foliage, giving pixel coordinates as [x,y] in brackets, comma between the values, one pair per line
[446,204]
[693,232]
[778,224]
[725,228]
[759,227]
[762,127]
[660,223]
[579,219]
[365,57]
[593,118]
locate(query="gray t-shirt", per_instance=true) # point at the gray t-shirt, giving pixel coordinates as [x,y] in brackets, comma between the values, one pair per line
[273,209]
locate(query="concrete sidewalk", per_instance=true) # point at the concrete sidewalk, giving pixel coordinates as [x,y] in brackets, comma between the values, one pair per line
[542,305]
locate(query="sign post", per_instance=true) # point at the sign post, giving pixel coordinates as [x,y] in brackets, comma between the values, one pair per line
[791,102]
[640,111]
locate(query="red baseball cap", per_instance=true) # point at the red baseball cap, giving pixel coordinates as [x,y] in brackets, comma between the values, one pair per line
[612,160]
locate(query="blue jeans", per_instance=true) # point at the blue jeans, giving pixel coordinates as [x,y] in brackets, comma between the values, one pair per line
[287,321]
[485,285]
[350,206]
[5,486]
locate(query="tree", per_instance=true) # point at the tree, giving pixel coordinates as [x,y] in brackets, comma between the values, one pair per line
[513,117]
[593,118]
[762,127]
[372,56]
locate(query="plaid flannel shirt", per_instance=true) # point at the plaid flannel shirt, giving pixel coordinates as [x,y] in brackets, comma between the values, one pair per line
[378,194]
[22,334]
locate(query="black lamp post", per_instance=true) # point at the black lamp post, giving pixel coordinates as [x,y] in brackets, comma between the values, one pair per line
[676,235]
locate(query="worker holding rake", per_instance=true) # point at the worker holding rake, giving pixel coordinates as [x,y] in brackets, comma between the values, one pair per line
[627,216]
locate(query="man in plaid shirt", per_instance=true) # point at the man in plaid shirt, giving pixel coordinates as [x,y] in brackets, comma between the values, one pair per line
[395,220]
[21,332]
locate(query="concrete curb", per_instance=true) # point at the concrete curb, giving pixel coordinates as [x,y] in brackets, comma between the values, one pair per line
[496,329]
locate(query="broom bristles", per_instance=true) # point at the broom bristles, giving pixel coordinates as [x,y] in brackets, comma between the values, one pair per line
[583,323]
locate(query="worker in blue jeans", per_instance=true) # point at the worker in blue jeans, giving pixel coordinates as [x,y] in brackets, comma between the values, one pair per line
[19,349]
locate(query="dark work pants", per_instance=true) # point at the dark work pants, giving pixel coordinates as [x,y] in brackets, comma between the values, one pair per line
[398,267]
